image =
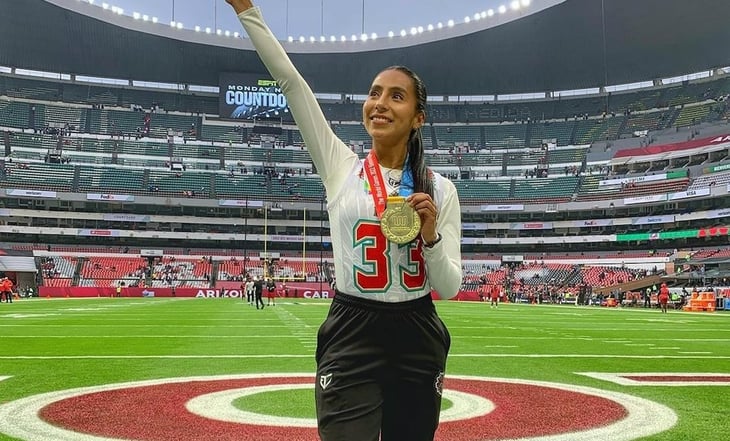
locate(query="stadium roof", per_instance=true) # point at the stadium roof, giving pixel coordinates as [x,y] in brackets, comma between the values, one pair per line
[572,45]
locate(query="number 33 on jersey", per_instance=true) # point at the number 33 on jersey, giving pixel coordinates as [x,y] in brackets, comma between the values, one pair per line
[381,265]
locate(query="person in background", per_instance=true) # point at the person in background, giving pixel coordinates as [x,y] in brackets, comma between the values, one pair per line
[270,292]
[258,288]
[250,290]
[6,289]
[395,227]
[494,296]
[663,297]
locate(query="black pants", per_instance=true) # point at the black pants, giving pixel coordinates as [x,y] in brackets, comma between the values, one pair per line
[380,370]
[258,300]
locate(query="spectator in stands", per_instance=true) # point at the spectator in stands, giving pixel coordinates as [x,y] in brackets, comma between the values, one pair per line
[373,312]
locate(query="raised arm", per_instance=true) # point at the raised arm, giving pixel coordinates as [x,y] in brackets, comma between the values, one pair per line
[331,157]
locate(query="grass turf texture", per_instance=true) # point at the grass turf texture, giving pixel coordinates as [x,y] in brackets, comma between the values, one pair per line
[294,404]
[120,340]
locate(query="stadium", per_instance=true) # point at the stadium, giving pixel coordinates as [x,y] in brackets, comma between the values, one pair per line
[589,142]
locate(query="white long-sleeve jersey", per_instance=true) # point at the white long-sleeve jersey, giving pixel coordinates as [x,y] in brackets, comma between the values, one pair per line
[366,264]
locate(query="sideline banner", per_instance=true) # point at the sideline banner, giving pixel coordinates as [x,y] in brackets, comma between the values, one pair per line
[223,290]
[299,290]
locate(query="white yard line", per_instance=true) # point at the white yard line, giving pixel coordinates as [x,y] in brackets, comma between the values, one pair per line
[622,378]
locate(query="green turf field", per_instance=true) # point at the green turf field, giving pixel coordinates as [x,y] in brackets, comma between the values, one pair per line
[53,345]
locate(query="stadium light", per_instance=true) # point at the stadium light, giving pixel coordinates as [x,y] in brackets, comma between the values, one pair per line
[208,30]
[236,35]
[136,15]
[391,34]
[290,39]
[228,33]
[439,25]
[414,31]
[343,38]
[353,37]
[119,11]
[502,9]
[312,39]
[322,39]
[483,14]
[197,28]
[373,36]
[525,3]
[430,28]
[420,29]
[173,23]
[450,23]
[490,12]
[91,2]
[467,19]
[105,5]
[403,33]
[218,32]
[145,17]
[364,37]
[179,25]
[333,38]
[154,20]
[515,5]
[477,16]
[302,39]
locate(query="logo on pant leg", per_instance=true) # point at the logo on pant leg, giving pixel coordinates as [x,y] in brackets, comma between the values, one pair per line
[439,383]
[325,380]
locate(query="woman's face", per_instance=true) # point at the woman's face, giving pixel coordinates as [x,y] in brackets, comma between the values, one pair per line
[389,113]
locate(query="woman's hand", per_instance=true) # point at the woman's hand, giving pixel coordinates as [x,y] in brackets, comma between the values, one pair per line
[240,5]
[426,209]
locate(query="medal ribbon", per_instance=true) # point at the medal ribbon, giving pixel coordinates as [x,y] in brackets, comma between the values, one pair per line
[406,180]
[377,183]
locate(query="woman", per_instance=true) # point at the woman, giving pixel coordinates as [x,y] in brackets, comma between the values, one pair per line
[395,227]
[663,297]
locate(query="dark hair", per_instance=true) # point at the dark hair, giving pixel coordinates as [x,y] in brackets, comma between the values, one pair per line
[422,181]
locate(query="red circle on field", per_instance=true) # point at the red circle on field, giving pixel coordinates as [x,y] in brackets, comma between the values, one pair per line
[158,412]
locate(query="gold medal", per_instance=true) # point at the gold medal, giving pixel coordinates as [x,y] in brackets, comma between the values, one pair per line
[400,222]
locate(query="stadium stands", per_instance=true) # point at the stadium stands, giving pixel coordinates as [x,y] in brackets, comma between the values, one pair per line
[223,160]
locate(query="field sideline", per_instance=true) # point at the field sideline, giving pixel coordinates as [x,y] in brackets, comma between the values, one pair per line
[55,345]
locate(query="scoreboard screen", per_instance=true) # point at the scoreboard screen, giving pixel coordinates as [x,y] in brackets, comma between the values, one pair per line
[250,96]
